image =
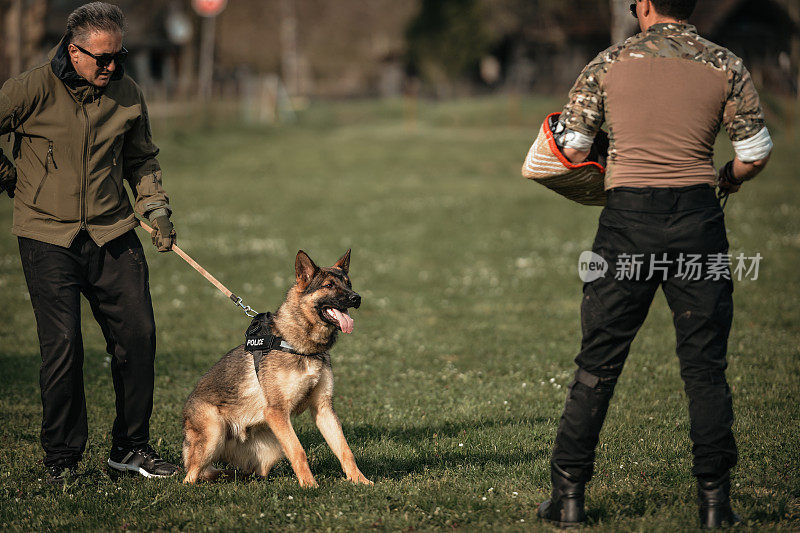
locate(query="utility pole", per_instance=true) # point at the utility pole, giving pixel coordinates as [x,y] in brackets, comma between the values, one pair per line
[206,71]
[208,9]
[289,55]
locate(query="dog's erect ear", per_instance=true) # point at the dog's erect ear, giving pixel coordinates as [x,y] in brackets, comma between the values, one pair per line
[344,262]
[304,269]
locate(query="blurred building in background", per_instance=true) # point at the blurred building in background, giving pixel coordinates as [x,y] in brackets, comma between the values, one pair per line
[344,48]
[162,57]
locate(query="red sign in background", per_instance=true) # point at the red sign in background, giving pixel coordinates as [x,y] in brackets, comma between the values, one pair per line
[209,8]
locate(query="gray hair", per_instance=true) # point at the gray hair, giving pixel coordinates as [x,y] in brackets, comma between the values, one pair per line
[94,17]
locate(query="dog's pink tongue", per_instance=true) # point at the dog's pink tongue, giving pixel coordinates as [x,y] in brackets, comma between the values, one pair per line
[344,320]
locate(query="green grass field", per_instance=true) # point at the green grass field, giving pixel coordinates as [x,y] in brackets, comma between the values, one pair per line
[451,386]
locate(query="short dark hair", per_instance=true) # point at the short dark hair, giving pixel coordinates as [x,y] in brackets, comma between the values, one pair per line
[94,17]
[677,9]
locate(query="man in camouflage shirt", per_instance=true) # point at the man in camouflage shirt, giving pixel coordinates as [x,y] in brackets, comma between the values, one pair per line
[663,94]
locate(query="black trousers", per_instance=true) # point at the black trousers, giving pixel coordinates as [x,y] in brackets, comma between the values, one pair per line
[114,279]
[668,224]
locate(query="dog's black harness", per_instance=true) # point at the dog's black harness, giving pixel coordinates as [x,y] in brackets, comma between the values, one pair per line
[259,340]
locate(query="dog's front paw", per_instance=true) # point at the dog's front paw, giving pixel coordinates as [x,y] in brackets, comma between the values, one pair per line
[359,478]
[308,482]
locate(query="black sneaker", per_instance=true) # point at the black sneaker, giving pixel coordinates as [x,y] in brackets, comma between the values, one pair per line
[143,460]
[59,473]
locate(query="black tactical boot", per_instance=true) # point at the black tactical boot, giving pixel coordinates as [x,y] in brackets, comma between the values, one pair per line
[565,506]
[60,473]
[713,497]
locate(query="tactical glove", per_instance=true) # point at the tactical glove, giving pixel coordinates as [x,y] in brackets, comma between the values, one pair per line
[9,184]
[163,233]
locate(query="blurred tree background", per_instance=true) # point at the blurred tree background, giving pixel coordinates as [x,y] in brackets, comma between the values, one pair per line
[446,41]
[356,48]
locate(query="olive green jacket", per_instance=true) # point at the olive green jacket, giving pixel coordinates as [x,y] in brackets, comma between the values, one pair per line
[74,144]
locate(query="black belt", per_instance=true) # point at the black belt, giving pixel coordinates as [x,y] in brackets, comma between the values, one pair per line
[661,199]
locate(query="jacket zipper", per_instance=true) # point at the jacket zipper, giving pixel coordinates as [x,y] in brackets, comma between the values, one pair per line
[115,148]
[85,163]
[13,127]
[47,160]
[50,156]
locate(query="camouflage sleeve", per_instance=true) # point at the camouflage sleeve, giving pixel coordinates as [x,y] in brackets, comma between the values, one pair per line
[742,115]
[585,111]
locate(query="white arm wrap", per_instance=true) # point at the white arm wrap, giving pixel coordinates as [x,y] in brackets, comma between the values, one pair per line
[756,147]
[577,141]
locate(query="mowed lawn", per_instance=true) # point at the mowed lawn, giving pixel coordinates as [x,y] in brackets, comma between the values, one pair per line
[451,386]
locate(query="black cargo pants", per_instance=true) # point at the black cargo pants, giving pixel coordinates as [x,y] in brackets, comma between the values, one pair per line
[114,279]
[676,222]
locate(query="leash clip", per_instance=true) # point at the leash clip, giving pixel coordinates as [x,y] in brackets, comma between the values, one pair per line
[249,311]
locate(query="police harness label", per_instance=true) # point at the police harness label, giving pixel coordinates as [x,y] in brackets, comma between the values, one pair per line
[256,342]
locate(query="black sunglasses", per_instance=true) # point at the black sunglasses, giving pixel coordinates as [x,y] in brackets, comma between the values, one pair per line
[103,60]
[633,10]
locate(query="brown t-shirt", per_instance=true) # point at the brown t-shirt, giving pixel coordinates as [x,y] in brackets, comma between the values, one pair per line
[664,94]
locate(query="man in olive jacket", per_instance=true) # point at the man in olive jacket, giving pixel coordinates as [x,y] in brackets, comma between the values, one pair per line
[80,130]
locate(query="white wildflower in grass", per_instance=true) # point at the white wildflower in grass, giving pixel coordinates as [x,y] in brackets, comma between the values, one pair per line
[483,499]
[523,262]
[460,444]
[514,494]
[552,380]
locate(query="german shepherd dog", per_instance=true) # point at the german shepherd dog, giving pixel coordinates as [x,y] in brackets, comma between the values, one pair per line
[242,416]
